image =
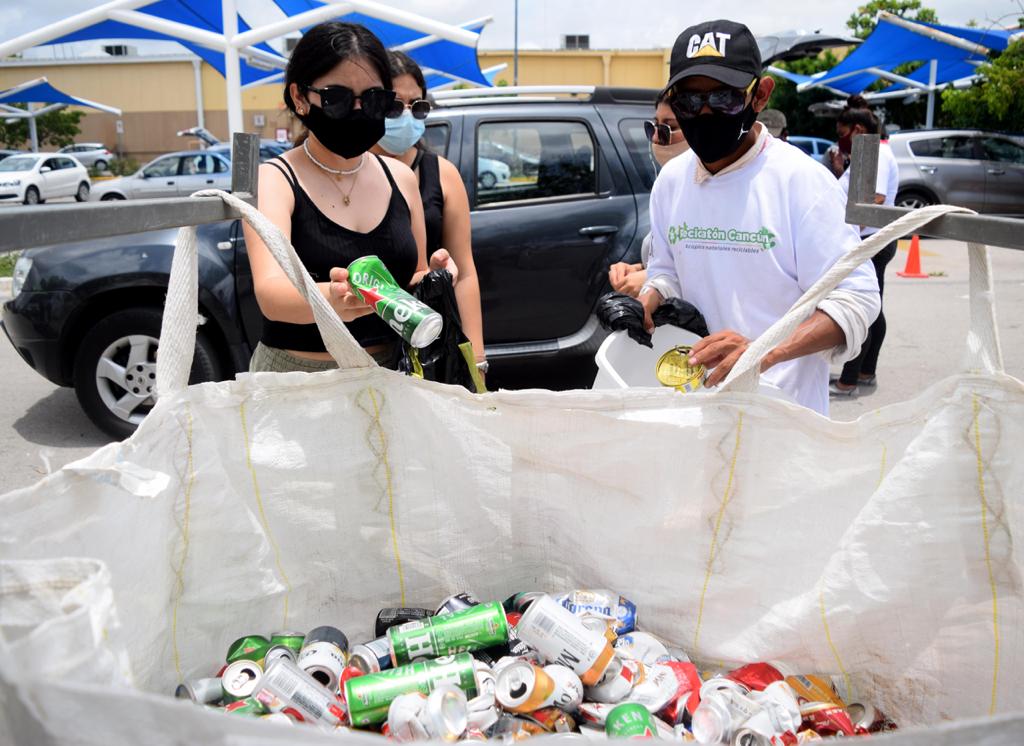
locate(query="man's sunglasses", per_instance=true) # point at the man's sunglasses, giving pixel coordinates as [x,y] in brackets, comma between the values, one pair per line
[659,134]
[731,101]
[338,101]
[419,108]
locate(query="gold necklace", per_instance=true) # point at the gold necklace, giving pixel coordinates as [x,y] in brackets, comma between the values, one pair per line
[345,198]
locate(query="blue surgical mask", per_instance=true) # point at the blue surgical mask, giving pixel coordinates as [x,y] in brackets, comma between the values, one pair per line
[402,133]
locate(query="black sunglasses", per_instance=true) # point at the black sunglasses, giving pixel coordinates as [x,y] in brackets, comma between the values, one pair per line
[338,101]
[659,134]
[687,104]
[419,108]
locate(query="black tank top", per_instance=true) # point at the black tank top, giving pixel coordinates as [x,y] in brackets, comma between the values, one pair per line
[321,244]
[429,171]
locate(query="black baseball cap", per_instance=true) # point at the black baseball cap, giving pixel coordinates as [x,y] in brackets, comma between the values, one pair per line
[723,50]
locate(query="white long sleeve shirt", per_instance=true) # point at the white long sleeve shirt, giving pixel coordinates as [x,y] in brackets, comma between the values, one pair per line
[744,244]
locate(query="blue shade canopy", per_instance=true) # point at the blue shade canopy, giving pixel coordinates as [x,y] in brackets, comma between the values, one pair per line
[891,45]
[448,60]
[44,93]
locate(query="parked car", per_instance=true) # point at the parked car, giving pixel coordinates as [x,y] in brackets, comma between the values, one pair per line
[983,171]
[816,147]
[5,153]
[492,173]
[36,177]
[172,175]
[268,148]
[90,154]
[87,314]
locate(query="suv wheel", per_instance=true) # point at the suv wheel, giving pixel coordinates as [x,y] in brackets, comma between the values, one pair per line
[100,165]
[111,197]
[115,369]
[912,200]
[32,196]
[82,195]
[488,180]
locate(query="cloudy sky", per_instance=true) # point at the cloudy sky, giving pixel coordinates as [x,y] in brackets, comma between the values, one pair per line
[611,24]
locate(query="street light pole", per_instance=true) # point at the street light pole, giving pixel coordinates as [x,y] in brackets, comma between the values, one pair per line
[515,48]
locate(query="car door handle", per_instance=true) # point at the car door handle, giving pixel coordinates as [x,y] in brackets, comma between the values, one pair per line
[996,171]
[170,183]
[209,181]
[928,169]
[596,231]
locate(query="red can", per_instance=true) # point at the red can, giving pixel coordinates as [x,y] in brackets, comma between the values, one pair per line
[756,676]
[682,707]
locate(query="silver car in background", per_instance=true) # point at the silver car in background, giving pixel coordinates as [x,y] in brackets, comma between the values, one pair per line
[90,154]
[983,171]
[172,175]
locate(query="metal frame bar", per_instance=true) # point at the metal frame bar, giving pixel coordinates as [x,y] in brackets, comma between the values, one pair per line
[861,209]
[27,227]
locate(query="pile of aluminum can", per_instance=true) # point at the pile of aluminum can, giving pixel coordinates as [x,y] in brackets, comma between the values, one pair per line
[574,665]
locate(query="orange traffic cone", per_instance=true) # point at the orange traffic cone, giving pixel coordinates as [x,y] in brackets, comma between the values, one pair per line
[913,268]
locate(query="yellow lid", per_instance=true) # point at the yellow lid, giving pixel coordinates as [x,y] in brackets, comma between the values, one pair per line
[674,369]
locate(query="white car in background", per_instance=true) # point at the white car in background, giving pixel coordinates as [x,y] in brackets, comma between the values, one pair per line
[172,175]
[36,177]
[90,154]
[491,173]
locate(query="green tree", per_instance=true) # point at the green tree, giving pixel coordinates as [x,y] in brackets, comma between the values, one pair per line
[56,128]
[863,22]
[994,101]
[785,98]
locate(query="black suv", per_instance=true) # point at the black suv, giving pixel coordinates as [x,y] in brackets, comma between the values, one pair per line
[558,185]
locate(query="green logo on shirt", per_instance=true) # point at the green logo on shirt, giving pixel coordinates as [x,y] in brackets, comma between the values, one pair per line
[763,239]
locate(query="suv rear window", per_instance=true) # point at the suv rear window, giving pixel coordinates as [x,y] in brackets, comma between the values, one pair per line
[955,146]
[533,160]
[436,138]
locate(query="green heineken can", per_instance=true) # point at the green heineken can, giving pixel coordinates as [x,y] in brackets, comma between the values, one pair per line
[247,706]
[475,628]
[416,322]
[248,648]
[630,720]
[370,696]
[291,640]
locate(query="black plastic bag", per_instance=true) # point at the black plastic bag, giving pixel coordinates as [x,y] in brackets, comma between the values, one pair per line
[617,312]
[449,358]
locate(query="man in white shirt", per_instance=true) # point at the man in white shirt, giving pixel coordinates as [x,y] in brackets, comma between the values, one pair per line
[743,224]
[853,121]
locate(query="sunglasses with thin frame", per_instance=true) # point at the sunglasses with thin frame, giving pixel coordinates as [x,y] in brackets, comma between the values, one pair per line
[338,101]
[731,101]
[419,108]
[659,134]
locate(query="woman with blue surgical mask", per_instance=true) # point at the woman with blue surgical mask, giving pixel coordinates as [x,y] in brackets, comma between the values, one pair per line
[445,204]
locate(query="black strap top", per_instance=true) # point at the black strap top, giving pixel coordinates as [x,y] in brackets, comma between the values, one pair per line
[321,244]
[428,169]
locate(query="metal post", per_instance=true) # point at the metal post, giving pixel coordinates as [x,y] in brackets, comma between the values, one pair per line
[197,69]
[933,74]
[232,68]
[515,47]
[33,132]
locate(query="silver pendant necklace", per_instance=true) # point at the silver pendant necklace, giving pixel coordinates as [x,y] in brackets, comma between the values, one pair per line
[328,169]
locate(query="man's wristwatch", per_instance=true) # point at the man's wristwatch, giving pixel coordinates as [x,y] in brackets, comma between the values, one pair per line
[483,366]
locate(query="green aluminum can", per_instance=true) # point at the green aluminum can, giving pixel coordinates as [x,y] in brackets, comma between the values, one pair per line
[247,706]
[370,696]
[291,640]
[416,322]
[475,628]
[630,720]
[248,648]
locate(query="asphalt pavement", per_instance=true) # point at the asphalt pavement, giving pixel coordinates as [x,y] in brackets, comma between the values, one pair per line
[42,426]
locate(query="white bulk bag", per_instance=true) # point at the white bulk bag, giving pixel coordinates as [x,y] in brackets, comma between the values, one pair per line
[744,527]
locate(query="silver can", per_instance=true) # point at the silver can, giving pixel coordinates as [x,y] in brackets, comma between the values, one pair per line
[200,691]
[240,680]
[324,656]
[372,657]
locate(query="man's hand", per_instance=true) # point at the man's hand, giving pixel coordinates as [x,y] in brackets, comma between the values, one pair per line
[650,301]
[719,351]
[627,278]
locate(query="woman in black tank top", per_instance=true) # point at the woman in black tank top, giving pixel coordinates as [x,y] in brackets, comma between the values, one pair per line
[334,200]
[445,204]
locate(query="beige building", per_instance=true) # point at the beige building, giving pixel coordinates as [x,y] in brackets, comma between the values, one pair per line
[161,95]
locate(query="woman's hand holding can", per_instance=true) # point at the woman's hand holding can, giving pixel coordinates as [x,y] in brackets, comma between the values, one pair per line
[346,301]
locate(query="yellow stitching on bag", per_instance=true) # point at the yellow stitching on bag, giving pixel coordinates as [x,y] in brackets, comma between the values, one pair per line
[380,450]
[828,636]
[726,497]
[263,515]
[881,471]
[988,553]
[179,572]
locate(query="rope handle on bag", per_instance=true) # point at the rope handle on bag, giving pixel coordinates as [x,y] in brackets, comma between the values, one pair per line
[983,347]
[181,312]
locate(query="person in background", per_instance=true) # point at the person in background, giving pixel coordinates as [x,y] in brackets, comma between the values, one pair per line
[445,204]
[334,201]
[667,142]
[861,370]
[744,224]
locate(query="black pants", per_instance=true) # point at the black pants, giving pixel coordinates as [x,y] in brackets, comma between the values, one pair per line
[866,362]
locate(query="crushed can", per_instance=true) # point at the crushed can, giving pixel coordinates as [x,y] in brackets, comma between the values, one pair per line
[300,692]
[416,322]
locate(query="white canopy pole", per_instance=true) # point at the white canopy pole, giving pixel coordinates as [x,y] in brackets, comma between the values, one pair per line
[933,33]
[33,133]
[291,23]
[232,69]
[425,40]
[177,30]
[22,86]
[933,74]
[66,26]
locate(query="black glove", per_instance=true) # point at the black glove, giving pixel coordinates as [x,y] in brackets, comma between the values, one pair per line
[678,312]
[617,311]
